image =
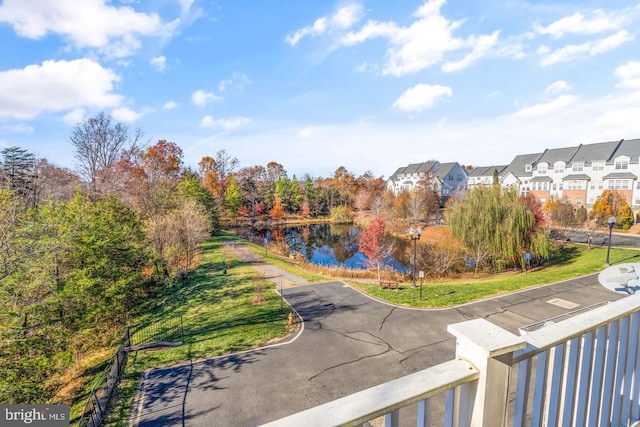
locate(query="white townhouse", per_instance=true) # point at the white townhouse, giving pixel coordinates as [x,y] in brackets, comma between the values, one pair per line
[484,175]
[447,178]
[579,174]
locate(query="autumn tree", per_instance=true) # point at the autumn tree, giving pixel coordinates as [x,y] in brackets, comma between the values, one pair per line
[56,183]
[374,245]
[607,205]
[277,212]
[563,214]
[154,176]
[209,175]
[401,204]
[99,143]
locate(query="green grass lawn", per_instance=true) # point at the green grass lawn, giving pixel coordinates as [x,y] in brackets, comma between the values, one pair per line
[219,316]
[572,261]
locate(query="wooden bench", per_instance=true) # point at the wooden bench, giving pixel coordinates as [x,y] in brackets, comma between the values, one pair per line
[388,285]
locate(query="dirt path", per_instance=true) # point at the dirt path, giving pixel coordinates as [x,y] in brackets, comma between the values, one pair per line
[271,272]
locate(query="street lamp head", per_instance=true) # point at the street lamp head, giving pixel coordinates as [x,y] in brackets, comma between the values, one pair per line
[611,221]
[415,234]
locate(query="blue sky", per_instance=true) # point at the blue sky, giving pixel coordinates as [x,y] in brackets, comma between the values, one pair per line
[314,85]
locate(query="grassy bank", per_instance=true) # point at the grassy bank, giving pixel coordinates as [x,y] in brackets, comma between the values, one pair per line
[220,315]
[572,261]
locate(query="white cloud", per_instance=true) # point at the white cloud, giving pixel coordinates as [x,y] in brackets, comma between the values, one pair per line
[585,50]
[185,5]
[305,133]
[558,86]
[170,105]
[620,119]
[202,97]
[344,17]
[56,86]
[629,75]
[481,46]
[548,107]
[421,96]
[124,114]
[224,124]
[237,80]
[159,63]
[18,128]
[597,21]
[114,31]
[426,41]
[74,117]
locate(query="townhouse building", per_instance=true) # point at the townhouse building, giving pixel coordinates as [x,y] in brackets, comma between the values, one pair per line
[579,174]
[447,178]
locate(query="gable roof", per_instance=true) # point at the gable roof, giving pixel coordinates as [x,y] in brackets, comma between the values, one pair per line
[517,165]
[481,171]
[599,152]
[553,155]
[630,148]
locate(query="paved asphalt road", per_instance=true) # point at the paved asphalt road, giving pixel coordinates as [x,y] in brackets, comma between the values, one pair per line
[350,342]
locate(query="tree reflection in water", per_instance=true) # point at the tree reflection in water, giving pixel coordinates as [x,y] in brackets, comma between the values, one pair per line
[328,244]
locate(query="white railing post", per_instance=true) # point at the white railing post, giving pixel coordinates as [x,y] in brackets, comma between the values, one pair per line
[490,349]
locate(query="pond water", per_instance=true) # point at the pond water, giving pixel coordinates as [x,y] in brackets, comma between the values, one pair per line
[329,245]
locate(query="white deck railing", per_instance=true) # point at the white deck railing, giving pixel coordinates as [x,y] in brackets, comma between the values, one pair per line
[583,371]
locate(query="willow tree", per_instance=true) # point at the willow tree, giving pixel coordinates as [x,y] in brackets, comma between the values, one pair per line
[496,225]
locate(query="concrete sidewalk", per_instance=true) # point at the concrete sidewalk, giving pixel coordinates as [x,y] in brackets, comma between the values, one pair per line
[271,272]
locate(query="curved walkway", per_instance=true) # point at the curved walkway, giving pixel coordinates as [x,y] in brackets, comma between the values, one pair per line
[271,272]
[350,342]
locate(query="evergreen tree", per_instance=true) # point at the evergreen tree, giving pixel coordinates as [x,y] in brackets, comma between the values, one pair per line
[19,171]
[232,198]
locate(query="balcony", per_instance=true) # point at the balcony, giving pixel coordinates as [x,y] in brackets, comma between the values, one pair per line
[582,371]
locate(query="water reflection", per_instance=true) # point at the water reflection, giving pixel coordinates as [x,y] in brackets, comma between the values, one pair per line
[328,245]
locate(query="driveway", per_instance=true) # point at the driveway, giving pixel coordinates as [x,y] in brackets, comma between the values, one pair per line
[349,342]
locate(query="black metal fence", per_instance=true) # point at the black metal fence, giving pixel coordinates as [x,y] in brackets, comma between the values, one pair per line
[165,330]
[96,406]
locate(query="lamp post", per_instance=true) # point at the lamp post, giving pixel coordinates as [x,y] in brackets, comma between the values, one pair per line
[415,236]
[610,222]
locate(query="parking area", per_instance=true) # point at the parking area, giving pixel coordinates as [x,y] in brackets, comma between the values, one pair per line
[349,342]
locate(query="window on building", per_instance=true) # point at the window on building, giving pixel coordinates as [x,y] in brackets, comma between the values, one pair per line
[527,168]
[591,200]
[598,166]
[625,184]
[578,201]
[560,186]
[636,202]
[577,167]
[554,186]
[600,185]
[568,199]
[622,164]
[543,201]
[638,185]
[542,169]
[592,185]
[559,168]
